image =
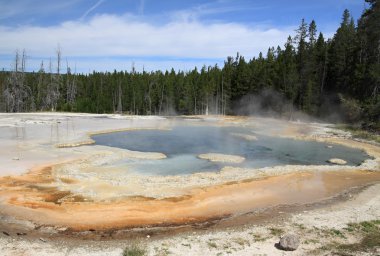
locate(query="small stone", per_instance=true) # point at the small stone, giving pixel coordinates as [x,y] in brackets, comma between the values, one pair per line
[329,146]
[148,236]
[6,233]
[42,240]
[21,234]
[289,242]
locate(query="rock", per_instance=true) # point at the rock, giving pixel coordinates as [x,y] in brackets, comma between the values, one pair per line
[21,234]
[42,240]
[289,242]
[337,161]
[329,146]
[6,233]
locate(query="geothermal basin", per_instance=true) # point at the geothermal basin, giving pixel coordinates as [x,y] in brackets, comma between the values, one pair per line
[186,147]
[80,172]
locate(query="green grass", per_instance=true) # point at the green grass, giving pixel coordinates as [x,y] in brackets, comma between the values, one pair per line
[134,250]
[337,233]
[368,230]
[369,242]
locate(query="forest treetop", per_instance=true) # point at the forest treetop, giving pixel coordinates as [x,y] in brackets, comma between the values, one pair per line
[324,78]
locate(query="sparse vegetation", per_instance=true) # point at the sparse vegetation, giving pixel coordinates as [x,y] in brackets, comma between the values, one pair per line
[212,245]
[370,241]
[300,226]
[187,245]
[358,132]
[276,231]
[163,250]
[338,233]
[258,237]
[311,241]
[241,241]
[134,250]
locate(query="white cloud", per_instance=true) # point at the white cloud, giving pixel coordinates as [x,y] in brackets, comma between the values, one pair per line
[118,36]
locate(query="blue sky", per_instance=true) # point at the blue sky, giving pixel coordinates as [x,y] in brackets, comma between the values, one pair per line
[155,34]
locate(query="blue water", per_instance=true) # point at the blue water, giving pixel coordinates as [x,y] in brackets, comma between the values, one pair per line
[182,144]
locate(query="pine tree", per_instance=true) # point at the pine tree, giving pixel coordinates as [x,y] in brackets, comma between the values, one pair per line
[341,55]
[367,70]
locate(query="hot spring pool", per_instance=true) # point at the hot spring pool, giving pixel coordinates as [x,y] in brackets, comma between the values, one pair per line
[183,144]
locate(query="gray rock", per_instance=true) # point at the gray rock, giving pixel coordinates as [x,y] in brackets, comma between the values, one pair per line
[289,242]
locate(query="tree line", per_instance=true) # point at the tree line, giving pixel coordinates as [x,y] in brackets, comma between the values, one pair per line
[321,77]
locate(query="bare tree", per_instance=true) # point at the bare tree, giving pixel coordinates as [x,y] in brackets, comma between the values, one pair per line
[119,103]
[71,87]
[17,93]
[53,93]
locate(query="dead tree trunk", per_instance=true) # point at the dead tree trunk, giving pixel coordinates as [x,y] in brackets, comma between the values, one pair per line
[119,104]
[17,93]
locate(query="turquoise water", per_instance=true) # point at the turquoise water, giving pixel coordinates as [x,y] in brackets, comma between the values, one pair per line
[182,144]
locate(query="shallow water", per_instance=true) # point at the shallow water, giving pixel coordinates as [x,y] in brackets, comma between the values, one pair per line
[182,144]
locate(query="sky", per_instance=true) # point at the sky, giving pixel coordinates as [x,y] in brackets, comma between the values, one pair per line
[107,35]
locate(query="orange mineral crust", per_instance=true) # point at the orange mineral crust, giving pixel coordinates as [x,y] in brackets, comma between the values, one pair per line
[31,198]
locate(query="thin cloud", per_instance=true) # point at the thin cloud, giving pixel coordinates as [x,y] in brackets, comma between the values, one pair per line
[204,10]
[92,8]
[141,7]
[33,7]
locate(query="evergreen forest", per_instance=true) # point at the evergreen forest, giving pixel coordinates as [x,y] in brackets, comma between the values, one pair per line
[335,79]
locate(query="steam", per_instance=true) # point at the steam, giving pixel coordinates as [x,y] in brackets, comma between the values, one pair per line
[337,108]
[334,108]
[269,103]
